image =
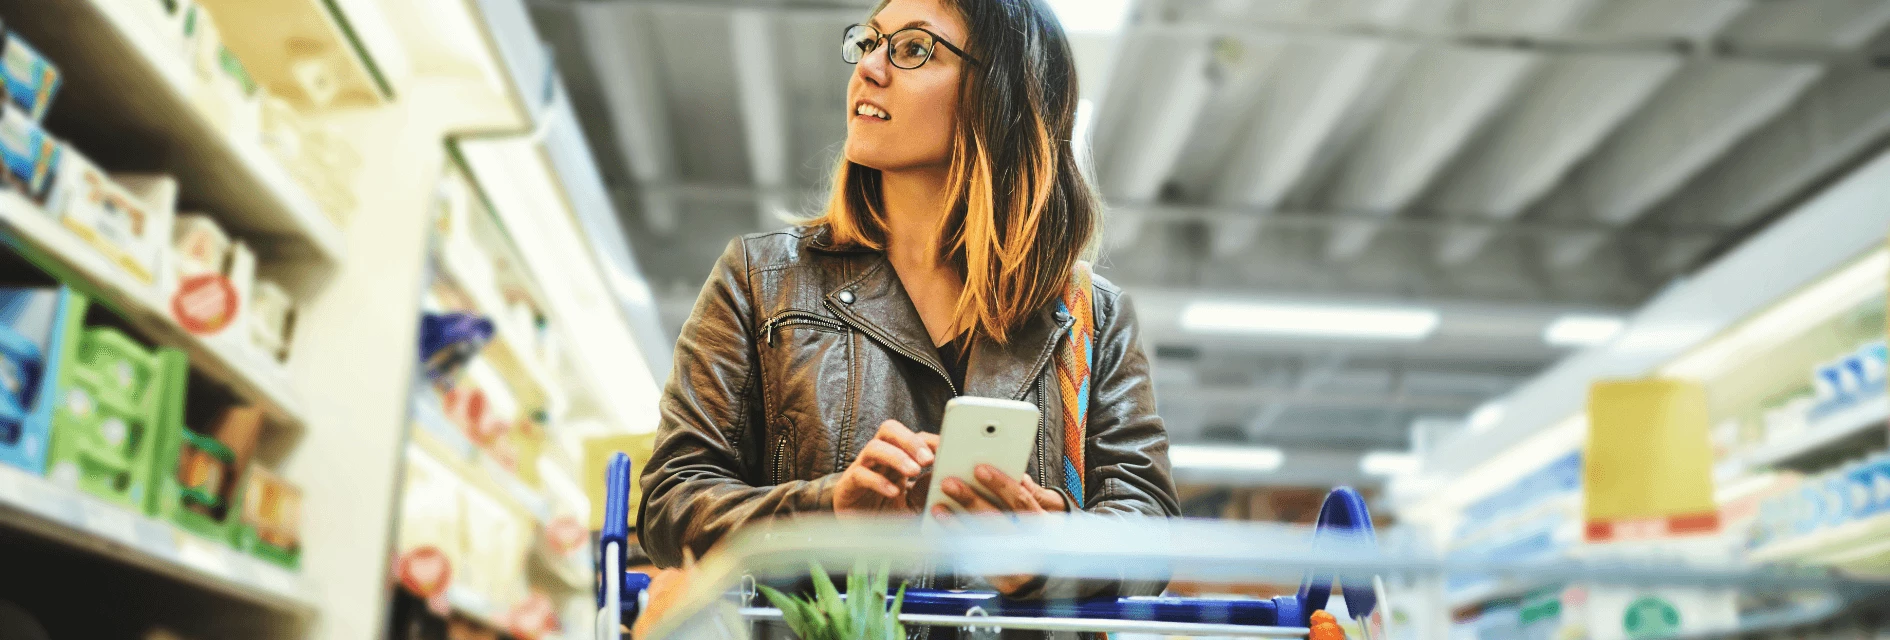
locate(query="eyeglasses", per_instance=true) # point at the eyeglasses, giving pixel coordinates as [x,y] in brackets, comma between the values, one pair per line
[911,47]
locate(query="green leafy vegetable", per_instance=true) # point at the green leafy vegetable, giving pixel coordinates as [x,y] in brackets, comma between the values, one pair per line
[829,616]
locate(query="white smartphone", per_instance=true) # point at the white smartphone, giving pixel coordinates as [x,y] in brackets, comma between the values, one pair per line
[978,431]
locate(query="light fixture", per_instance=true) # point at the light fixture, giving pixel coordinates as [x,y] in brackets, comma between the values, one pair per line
[1389,463]
[1845,289]
[1091,16]
[1311,320]
[1486,417]
[1577,330]
[1261,459]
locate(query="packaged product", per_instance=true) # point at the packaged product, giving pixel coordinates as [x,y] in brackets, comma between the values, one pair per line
[120,225]
[211,303]
[227,94]
[208,464]
[31,80]
[270,311]
[199,245]
[1879,468]
[30,153]
[272,507]
[1860,491]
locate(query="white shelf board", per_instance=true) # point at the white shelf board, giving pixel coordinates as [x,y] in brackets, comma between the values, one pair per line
[442,440]
[34,505]
[254,377]
[127,76]
[1864,415]
[531,383]
[1850,543]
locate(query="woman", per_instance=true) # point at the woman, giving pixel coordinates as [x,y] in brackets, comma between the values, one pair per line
[814,371]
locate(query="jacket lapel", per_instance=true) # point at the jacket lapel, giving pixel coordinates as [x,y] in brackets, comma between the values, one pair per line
[1007,371]
[875,303]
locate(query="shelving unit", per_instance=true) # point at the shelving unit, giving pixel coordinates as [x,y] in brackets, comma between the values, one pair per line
[442,441]
[1859,545]
[324,37]
[33,233]
[1820,436]
[132,107]
[37,507]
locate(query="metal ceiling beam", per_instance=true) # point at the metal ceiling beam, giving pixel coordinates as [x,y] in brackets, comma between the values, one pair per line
[1703,112]
[1421,222]
[762,102]
[1448,98]
[1561,120]
[613,41]
[1144,142]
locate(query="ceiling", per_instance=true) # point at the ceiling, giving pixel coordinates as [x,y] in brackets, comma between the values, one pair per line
[1504,162]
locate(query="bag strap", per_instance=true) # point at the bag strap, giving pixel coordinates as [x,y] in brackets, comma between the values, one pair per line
[1074,357]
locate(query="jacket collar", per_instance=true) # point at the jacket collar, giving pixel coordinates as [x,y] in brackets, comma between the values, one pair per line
[876,303]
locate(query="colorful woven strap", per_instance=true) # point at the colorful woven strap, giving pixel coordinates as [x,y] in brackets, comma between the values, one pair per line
[1074,357]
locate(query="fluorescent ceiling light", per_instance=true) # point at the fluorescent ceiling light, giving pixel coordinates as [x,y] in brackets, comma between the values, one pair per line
[1582,330]
[1486,417]
[1309,320]
[1389,463]
[1261,459]
[1091,16]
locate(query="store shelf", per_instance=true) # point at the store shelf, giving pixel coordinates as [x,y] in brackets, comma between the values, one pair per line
[1817,437]
[252,376]
[1853,545]
[261,33]
[442,440]
[35,506]
[128,103]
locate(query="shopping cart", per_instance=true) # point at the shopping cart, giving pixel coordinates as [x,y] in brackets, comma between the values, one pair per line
[1343,522]
[1341,552]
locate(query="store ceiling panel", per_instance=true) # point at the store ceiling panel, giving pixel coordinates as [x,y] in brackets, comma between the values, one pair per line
[1504,162]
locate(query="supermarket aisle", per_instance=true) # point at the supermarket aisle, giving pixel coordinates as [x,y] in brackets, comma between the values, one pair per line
[323,318]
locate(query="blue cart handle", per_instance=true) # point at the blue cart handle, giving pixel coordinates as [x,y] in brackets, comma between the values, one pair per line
[1344,522]
[617,506]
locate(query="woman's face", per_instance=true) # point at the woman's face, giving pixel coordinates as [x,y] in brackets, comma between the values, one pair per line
[902,119]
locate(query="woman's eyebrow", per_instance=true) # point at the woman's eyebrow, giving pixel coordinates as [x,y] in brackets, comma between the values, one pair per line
[874,23]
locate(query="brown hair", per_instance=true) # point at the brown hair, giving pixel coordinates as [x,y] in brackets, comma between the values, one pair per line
[1019,212]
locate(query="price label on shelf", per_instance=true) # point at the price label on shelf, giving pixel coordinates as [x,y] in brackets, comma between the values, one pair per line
[275,579]
[109,520]
[203,556]
[157,538]
[10,492]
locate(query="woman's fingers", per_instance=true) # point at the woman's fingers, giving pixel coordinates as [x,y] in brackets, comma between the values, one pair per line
[915,445]
[1049,500]
[967,498]
[890,460]
[1012,495]
[873,481]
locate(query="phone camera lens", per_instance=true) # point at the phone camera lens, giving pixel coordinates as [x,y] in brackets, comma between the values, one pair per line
[990,429]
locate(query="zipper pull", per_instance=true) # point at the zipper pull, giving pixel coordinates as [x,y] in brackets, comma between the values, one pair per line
[767,330]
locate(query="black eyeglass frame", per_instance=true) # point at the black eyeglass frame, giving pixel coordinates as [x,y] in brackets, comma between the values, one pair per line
[887,38]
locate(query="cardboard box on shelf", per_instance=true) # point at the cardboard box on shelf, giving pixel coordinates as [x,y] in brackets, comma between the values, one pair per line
[33,337]
[31,80]
[271,317]
[29,152]
[115,221]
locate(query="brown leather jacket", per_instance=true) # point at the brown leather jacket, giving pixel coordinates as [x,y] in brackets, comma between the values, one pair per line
[797,350]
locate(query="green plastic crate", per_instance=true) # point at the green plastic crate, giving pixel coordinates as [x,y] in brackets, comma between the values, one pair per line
[111,415]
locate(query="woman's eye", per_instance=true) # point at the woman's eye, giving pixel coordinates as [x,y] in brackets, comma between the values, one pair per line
[915,49]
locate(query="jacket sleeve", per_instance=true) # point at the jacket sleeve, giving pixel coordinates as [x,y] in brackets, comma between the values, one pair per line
[696,485]
[1127,453]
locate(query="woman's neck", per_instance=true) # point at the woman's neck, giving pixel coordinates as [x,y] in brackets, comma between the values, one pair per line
[914,200]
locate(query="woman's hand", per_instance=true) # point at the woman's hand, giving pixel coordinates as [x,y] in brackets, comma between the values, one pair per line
[1017,497]
[888,468]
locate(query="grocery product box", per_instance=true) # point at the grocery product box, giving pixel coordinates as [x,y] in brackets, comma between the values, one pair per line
[31,80]
[34,331]
[30,154]
[271,524]
[117,222]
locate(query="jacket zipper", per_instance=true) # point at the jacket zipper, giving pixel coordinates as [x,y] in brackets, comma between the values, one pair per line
[780,457]
[797,317]
[940,370]
[1043,439]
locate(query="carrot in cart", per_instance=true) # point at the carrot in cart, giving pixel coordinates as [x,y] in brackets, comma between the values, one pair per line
[1325,627]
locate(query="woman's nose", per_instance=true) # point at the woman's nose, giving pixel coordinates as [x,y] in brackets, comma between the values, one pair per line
[876,67]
